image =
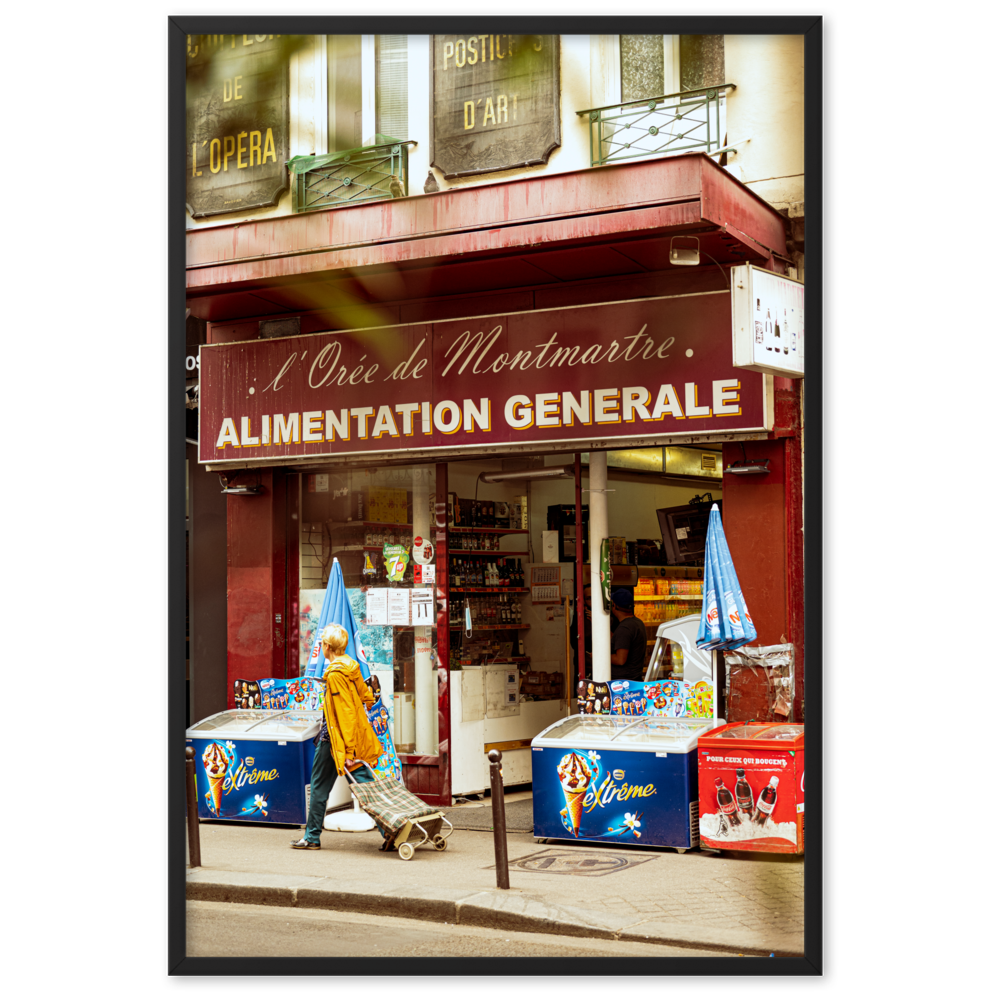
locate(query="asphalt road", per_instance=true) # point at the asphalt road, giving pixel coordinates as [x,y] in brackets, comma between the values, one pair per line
[236,930]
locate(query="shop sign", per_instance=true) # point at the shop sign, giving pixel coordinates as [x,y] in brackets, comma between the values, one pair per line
[237,123]
[495,102]
[769,321]
[647,368]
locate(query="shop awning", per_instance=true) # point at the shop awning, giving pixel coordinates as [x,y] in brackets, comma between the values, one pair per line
[540,231]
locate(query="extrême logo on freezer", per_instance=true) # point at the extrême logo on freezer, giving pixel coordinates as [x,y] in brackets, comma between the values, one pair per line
[243,775]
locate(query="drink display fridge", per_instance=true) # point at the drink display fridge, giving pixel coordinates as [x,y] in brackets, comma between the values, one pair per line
[254,765]
[751,787]
[617,779]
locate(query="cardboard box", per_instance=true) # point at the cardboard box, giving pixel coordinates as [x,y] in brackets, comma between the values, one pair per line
[550,546]
[463,512]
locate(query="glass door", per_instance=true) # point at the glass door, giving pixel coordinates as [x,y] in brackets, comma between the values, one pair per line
[380,524]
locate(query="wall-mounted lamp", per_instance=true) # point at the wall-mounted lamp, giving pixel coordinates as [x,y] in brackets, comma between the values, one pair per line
[241,491]
[549,472]
[688,256]
[244,491]
[749,468]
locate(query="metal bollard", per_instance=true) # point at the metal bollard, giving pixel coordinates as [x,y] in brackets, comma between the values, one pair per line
[499,820]
[194,837]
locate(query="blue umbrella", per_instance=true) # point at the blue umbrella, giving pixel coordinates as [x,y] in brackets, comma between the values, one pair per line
[725,620]
[336,610]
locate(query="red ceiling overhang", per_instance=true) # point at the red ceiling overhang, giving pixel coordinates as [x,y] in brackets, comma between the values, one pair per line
[537,230]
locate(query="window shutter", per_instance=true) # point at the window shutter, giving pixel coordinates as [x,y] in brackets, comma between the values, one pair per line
[391,108]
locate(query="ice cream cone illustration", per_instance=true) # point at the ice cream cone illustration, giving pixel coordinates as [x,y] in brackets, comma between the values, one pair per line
[575,775]
[216,763]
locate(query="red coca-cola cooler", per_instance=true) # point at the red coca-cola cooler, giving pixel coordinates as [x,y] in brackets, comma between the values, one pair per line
[751,787]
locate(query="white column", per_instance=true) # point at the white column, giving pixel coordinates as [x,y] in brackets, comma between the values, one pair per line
[601,620]
[425,676]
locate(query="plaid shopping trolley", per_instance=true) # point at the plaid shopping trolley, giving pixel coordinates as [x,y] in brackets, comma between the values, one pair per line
[406,821]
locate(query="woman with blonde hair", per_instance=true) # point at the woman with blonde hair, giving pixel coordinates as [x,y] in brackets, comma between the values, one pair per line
[346,739]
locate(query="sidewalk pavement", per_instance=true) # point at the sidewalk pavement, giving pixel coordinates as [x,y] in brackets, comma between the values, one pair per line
[733,902]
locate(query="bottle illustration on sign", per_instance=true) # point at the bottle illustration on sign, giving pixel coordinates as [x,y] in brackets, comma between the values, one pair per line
[765,804]
[727,806]
[744,793]
[767,327]
[785,323]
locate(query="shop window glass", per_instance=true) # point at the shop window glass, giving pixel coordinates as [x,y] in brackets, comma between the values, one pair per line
[641,66]
[703,62]
[367,519]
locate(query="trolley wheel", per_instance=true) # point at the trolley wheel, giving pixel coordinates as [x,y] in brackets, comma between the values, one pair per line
[406,851]
[440,843]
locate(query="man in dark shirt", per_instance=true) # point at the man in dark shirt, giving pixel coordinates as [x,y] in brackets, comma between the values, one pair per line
[628,641]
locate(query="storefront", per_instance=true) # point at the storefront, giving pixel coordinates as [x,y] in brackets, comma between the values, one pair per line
[392,372]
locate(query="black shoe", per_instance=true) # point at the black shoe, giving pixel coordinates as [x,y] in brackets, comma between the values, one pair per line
[304,845]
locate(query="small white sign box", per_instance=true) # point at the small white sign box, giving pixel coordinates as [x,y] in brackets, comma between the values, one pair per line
[768,322]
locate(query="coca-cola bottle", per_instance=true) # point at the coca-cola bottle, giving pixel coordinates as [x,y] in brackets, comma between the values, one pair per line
[744,793]
[765,803]
[727,804]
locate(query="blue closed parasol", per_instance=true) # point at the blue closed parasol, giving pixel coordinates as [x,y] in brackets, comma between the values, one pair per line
[725,620]
[336,610]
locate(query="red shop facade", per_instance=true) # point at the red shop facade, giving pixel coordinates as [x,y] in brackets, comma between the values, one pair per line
[533,316]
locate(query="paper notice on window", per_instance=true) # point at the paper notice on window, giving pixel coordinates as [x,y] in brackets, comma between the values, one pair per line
[682,533]
[399,607]
[377,611]
[422,606]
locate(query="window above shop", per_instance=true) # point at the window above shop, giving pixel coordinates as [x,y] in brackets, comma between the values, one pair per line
[673,100]
[367,126]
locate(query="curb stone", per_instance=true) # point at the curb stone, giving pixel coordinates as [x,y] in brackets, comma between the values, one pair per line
[492,909]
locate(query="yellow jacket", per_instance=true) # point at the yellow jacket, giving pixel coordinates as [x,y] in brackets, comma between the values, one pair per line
[351,734]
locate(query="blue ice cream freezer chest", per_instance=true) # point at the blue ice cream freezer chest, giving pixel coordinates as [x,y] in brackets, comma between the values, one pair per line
[253,765]
[618,780]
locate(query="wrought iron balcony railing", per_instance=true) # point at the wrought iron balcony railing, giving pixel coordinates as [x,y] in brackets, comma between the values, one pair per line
[690,121]
[351,177]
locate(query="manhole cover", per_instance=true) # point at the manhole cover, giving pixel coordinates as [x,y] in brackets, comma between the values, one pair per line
[554,861]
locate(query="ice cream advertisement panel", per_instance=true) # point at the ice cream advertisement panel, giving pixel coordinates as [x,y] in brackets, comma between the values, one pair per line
[615,796]
[259,781]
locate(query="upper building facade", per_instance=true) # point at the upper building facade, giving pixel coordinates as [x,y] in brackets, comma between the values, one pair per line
[283,125]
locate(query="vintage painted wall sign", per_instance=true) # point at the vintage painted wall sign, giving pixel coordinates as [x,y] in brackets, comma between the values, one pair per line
[237,123]
[496,102]
[643,368]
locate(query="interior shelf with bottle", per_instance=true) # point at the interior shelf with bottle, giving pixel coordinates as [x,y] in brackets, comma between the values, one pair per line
[490,588]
